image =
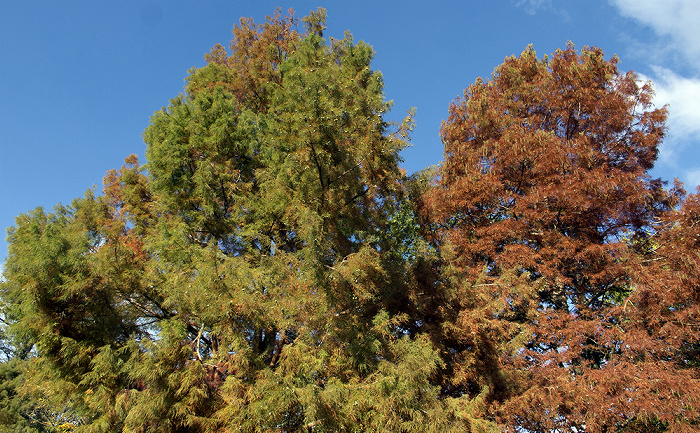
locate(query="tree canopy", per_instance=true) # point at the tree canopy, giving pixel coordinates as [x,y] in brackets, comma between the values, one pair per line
[546,217]
[271,268]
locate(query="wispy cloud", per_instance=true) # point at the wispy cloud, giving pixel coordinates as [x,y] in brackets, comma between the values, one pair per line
[676,26]
[683,98]
[692,179]
[677,20]
[532,6]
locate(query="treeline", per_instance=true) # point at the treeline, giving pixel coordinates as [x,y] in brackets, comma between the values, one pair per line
[271,268]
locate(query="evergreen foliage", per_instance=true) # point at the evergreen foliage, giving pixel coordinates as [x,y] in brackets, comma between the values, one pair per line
[271,268]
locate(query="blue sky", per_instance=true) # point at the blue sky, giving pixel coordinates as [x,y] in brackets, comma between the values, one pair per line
[79,80]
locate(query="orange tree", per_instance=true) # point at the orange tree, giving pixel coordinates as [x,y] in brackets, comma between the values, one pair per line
[543,192]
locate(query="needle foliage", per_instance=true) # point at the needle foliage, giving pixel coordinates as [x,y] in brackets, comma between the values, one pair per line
[272,269]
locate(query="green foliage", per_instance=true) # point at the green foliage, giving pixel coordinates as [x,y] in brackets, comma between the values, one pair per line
[27,409]
[12,405]
[272,268]
[256,278]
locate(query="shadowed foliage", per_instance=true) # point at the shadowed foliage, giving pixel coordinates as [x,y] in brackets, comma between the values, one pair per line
[272,269]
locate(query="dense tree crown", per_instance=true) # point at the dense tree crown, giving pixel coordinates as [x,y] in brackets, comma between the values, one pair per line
[271,268]
[244,280]
[543,210]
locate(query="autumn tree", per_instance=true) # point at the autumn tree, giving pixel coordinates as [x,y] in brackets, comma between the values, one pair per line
[543,196]
[661,319]
[272,269]
[247,278]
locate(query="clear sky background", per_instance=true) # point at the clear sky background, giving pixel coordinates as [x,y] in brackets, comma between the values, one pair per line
[79,80]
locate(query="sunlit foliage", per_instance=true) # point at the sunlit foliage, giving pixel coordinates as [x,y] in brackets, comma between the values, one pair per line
[542,206]
[271,268]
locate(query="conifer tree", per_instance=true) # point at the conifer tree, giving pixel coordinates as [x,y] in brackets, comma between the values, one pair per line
[245,279]
[543,190]
[270,268]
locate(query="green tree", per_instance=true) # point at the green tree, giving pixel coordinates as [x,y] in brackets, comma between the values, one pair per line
[23,407]
[246,279]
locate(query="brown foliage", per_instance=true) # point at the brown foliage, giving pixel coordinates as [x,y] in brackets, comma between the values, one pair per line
[544,165]
[257,51]
[541,205]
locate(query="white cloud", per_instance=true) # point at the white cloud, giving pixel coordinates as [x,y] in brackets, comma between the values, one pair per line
[676,24]
[678,154]
[532,6]
[683,98]
[692,180]
[678,20]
